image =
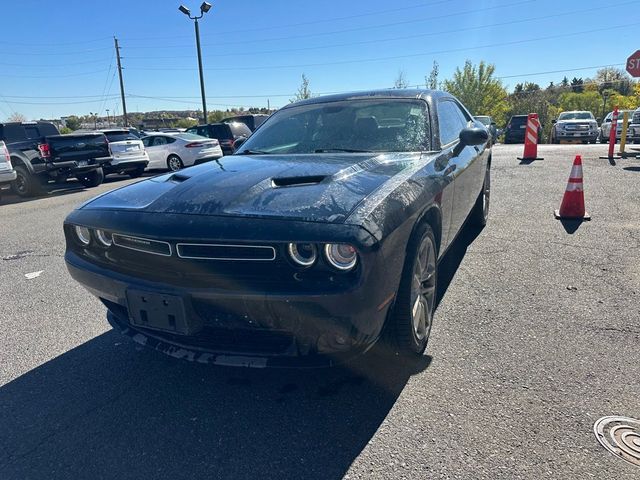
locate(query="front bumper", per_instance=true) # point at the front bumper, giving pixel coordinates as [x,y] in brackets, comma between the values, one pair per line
[590,136]
[6,178]
[126,165]
[256,329]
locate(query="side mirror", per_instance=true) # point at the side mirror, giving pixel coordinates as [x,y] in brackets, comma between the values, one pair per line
[471,136]
[608,120]
[239,142]
[554,121]
[493,124]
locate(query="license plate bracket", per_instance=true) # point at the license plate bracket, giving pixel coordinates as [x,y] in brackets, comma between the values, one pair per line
[159,311]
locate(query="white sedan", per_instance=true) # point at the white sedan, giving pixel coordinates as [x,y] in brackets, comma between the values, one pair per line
[174,151]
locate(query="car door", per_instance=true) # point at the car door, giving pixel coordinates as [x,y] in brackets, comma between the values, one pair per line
[155,152]
[458,168]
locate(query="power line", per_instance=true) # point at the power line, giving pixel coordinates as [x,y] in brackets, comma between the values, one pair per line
[98,100]
[313,22]
[59,65]
[348,30]
[396,57]
[385,40]
[56,75]
[82,42]
[50,54]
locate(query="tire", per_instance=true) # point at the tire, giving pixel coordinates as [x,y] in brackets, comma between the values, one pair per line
[92,178]
[412,315]
[26,184]
[174,163]
[480,212]
[136,173]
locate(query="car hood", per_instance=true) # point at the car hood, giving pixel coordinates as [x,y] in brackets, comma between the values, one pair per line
[318,187]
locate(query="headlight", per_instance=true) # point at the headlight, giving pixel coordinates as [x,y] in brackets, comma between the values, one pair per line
[104,238]
[341,255]
[83,234]
[304,254]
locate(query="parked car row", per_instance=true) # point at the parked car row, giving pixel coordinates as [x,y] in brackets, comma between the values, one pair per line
[572,126]
[34,154]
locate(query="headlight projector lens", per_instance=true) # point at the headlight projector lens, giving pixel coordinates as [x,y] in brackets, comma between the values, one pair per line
[341,256]
[304,254]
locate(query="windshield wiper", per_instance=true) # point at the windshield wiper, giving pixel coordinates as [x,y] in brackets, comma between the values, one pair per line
[348,150]
[252,152]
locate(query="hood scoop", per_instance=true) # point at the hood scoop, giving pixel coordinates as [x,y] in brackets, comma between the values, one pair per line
[297,181]
[178,177]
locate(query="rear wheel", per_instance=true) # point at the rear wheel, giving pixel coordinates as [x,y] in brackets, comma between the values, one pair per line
[92,178]
[412,314]
[25,184]
[136,173]
[174,163]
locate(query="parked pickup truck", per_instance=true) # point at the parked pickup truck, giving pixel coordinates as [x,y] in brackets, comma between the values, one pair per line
[7,173]
[40,154]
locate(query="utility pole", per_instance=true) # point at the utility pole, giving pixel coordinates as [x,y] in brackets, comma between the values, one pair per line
[124,105]
[108,119]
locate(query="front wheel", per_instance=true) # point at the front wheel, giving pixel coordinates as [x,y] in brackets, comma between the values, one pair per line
[92,178]
[412,314]
[174,163]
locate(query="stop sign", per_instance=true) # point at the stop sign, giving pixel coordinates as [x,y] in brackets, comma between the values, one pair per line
[633,64]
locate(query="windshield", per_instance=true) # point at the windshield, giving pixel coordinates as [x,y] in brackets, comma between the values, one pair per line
[120,136]
[484,120]
[388,125]
[576,116]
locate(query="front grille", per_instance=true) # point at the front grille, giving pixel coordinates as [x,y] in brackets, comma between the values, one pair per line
[577,127]
[226,252]
[145,245]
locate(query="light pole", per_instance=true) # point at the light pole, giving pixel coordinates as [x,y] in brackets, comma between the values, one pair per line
[108,119]
[204,8]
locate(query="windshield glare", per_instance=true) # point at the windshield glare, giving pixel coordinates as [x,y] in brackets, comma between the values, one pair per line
[576,116]
[389,125]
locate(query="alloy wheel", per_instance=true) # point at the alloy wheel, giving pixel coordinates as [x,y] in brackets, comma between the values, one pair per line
[423,289]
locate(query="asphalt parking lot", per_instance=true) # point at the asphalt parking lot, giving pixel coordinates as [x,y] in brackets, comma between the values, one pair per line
[536,336]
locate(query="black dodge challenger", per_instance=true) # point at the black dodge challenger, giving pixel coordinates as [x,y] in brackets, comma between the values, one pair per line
[319,236]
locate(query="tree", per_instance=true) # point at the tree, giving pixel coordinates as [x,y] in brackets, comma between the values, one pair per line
[303,91]
[17,117]
[73,122]
[401,80]
[589,101]
[616,79]
[564,82]
[478,90]
[577,85]
[432,79]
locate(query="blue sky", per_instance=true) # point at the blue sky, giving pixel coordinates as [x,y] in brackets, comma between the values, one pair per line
[57,57]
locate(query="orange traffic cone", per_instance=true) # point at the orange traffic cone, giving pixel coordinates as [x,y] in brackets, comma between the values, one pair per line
[531,139]
[572,207]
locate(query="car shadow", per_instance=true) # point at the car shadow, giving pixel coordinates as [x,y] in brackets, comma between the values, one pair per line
[632,169]
[107,410]
[450,262]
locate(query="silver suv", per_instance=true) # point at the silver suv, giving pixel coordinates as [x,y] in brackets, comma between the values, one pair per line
[605,128]
[576,125]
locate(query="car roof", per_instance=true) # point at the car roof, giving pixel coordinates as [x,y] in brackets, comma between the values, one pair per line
[386,93]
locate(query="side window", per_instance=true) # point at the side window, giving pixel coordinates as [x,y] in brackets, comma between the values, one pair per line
[159,141]
[146,141]
[14,133]
[169,140]
[202,131]
[450,120]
